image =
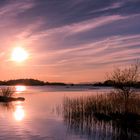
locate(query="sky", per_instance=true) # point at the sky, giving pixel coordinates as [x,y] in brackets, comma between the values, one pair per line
[68,40]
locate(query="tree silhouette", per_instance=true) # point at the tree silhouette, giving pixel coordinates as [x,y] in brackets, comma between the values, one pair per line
[124,81]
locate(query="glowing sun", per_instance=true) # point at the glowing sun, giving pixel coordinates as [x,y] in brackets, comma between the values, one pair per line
[19,54]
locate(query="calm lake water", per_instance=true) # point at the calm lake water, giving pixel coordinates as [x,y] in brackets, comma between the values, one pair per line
[40,117]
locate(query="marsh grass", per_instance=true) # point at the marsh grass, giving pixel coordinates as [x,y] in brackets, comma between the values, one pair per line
[103,105]
[7,92]
[103,114]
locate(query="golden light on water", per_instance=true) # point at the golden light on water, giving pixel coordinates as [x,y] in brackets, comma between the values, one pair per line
[20,88]
[19,54]
[19,113]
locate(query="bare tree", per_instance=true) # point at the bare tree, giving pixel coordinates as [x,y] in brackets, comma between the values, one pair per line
[124,81]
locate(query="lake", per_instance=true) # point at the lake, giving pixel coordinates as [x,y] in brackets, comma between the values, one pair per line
[40,117]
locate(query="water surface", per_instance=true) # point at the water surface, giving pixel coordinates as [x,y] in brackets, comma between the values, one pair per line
[40,117]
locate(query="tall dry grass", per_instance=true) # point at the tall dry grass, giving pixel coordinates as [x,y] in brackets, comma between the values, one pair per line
[103,104]
[103,113]
[7,92]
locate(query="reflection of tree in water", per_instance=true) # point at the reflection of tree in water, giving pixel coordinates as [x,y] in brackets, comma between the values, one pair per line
[100,126]
[7,105]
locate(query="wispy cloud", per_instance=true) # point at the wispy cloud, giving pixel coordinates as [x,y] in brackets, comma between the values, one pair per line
[15,7]
[71,38]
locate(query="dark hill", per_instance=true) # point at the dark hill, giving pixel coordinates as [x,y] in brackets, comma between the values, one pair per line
[29,82]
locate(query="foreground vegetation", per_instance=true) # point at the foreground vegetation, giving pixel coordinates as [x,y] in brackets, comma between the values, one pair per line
[118,111]
[104,115]
[123,100]
[103,106]
[7,95]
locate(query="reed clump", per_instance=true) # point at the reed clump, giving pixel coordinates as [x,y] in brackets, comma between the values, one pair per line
[7,92]
[7,95]
[103,106]
[103,113]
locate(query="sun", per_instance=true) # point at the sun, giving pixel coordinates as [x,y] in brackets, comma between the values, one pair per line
[19,54]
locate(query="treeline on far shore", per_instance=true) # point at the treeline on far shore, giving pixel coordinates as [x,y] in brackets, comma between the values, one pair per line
[28,82]
[35,82]
[111,83]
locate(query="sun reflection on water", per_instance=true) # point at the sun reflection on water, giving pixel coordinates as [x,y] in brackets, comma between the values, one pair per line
[19,112]
[20,88]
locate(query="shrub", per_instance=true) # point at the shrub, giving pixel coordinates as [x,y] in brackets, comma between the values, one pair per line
[7,92]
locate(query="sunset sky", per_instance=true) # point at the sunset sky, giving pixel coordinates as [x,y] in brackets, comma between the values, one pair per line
[68,40]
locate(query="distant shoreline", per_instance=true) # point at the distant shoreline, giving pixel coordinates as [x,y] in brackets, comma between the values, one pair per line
[35,82]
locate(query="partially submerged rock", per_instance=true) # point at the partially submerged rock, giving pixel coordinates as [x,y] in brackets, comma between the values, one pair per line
[10,99]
